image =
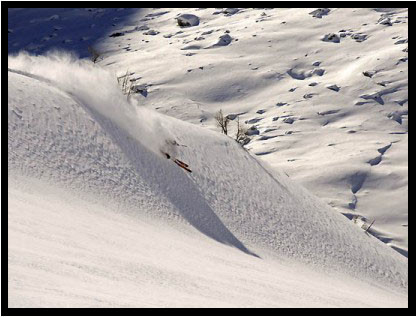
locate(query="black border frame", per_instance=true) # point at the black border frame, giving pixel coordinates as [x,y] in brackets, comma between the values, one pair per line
[410,311]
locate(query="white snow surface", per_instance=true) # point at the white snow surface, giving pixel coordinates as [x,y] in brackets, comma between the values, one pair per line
[98,217]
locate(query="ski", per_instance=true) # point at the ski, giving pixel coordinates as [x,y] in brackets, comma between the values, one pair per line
[182,165]
[178,162]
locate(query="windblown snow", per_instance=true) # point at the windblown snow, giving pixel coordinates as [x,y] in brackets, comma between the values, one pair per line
[99,217]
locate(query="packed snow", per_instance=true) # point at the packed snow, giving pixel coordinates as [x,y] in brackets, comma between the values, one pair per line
[99,217]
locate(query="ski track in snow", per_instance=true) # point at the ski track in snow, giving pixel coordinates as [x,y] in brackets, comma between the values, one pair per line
[72,133]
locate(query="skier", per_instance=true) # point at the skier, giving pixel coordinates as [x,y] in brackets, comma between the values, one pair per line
[176,161]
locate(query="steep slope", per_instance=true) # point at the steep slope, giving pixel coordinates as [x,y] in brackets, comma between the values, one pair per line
[71,127]
[320,109]
[325,91]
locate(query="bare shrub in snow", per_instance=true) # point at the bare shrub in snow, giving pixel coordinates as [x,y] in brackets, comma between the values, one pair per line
[126,83]
[222,121]
[241,136]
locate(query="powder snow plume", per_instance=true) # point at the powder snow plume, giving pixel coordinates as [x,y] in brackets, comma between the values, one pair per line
[97,90]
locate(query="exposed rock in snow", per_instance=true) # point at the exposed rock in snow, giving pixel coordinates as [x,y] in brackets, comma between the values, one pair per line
[141,28]
[252,131]
[397,115]
[334,87]
[156,14]
[331,37]
[385,21]
[359,37]
[117,34]
[403,41]
[319,13]
[223,40]
[288,120]
[227,12]
[188,20]
[151,32]
[369,73]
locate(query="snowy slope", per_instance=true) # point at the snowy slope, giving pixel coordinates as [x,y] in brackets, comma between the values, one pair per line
[66,252]
[347,143]
[105,153]
[99,217]
[274,71]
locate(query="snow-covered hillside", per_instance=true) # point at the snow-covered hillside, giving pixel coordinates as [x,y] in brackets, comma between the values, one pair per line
[99,217]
